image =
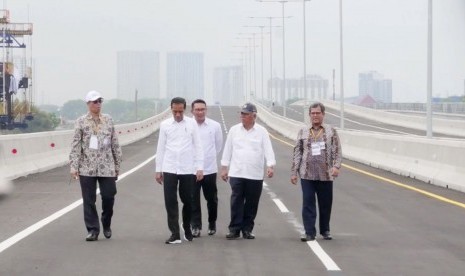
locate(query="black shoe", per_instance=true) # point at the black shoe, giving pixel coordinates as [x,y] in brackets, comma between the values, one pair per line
[196,232]
[107,232]
[92,236]
[188,236]
[248,235]
[211,229]
[174,239]
[232,235]
[327,236]
[307,238]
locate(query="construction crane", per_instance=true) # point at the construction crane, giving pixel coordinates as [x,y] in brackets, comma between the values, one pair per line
[10,80]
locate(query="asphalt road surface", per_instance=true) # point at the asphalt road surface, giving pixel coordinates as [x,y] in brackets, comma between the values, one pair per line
[382,224]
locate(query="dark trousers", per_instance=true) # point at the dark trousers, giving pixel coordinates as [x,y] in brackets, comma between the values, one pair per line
[170,189]
[210,192]
[324,193]
[244,203]
[107,187]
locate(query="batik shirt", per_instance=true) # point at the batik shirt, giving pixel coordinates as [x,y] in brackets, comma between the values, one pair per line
[105,159]
[312,166]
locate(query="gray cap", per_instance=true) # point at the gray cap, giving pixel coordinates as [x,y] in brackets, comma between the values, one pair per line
[248,108]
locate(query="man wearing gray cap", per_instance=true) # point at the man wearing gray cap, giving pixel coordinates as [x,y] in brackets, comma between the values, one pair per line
[96,156]
[247,149]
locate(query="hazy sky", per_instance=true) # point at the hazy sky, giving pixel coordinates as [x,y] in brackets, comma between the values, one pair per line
[75,42]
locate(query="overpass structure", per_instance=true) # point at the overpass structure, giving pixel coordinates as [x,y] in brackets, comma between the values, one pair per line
[437,161]
[382,223]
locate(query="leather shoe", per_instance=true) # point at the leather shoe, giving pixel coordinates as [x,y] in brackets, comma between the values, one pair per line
[307,238]
[195,232]
[92,236]
[107,232]
[212,229]
[248,235]
[232,235]
[327,236]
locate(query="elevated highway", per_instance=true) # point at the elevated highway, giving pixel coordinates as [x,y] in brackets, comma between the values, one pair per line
[383,224]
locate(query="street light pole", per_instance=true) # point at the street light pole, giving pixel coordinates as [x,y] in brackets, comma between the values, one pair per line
[341,57]
[284,62]
[429,85]
[306,117]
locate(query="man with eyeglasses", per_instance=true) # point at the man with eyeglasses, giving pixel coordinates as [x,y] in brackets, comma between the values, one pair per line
[212,142]
[247,149]
[96,157]
[316,161]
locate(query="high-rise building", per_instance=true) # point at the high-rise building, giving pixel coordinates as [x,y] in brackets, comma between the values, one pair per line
[185,75]
[228,85]
[372,83]
[138,70]
[317,88]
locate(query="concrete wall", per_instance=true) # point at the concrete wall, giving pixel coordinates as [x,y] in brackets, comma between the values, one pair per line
[437,161]
[23,154]
[449,127]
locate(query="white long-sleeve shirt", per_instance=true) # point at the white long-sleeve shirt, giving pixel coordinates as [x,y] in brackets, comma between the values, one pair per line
[246,151]
[212,142]
[179,149]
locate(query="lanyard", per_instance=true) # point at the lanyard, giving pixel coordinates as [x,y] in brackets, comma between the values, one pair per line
[96,126]
[317,135]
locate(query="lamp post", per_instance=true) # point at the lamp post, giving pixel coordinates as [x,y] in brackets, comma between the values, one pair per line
[306,117]
[341,58]
[270,18]
[429,82]
[284,53]
[251,41]
[262,92]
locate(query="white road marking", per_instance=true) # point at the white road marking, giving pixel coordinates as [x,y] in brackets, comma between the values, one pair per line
[281,205]
[38,225]
[325,259]
[314,245]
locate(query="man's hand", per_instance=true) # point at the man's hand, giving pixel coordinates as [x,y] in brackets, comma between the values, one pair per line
[74,174]
[334,171]
[270,172]
[224,173]
[199,175]
[159,178]
[294,179]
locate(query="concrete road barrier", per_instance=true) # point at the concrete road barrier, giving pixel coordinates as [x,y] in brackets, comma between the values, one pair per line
[436,161]
[23,154]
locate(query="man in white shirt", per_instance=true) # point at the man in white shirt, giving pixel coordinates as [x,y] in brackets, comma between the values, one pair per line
[212,142]
[179,159]
[247,147]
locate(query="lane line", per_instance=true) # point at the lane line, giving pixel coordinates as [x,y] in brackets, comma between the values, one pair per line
[327,261]
[429,194]
[281,205]
[291,218]
[38,225]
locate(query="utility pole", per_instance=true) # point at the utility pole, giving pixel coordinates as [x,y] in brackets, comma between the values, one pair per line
[135,102]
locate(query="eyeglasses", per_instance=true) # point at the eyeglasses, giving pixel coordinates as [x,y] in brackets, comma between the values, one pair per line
[98,101]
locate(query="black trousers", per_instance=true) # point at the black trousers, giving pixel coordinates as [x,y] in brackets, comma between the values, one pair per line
[324,193]
[210,192]
[245,197]
[107,187]
[170,190]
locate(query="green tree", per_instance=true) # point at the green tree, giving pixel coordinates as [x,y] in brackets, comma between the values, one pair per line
[43,121]
[73,109]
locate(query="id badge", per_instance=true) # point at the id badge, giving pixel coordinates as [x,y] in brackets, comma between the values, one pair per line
[322,145]
[93,144]
[316,149]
